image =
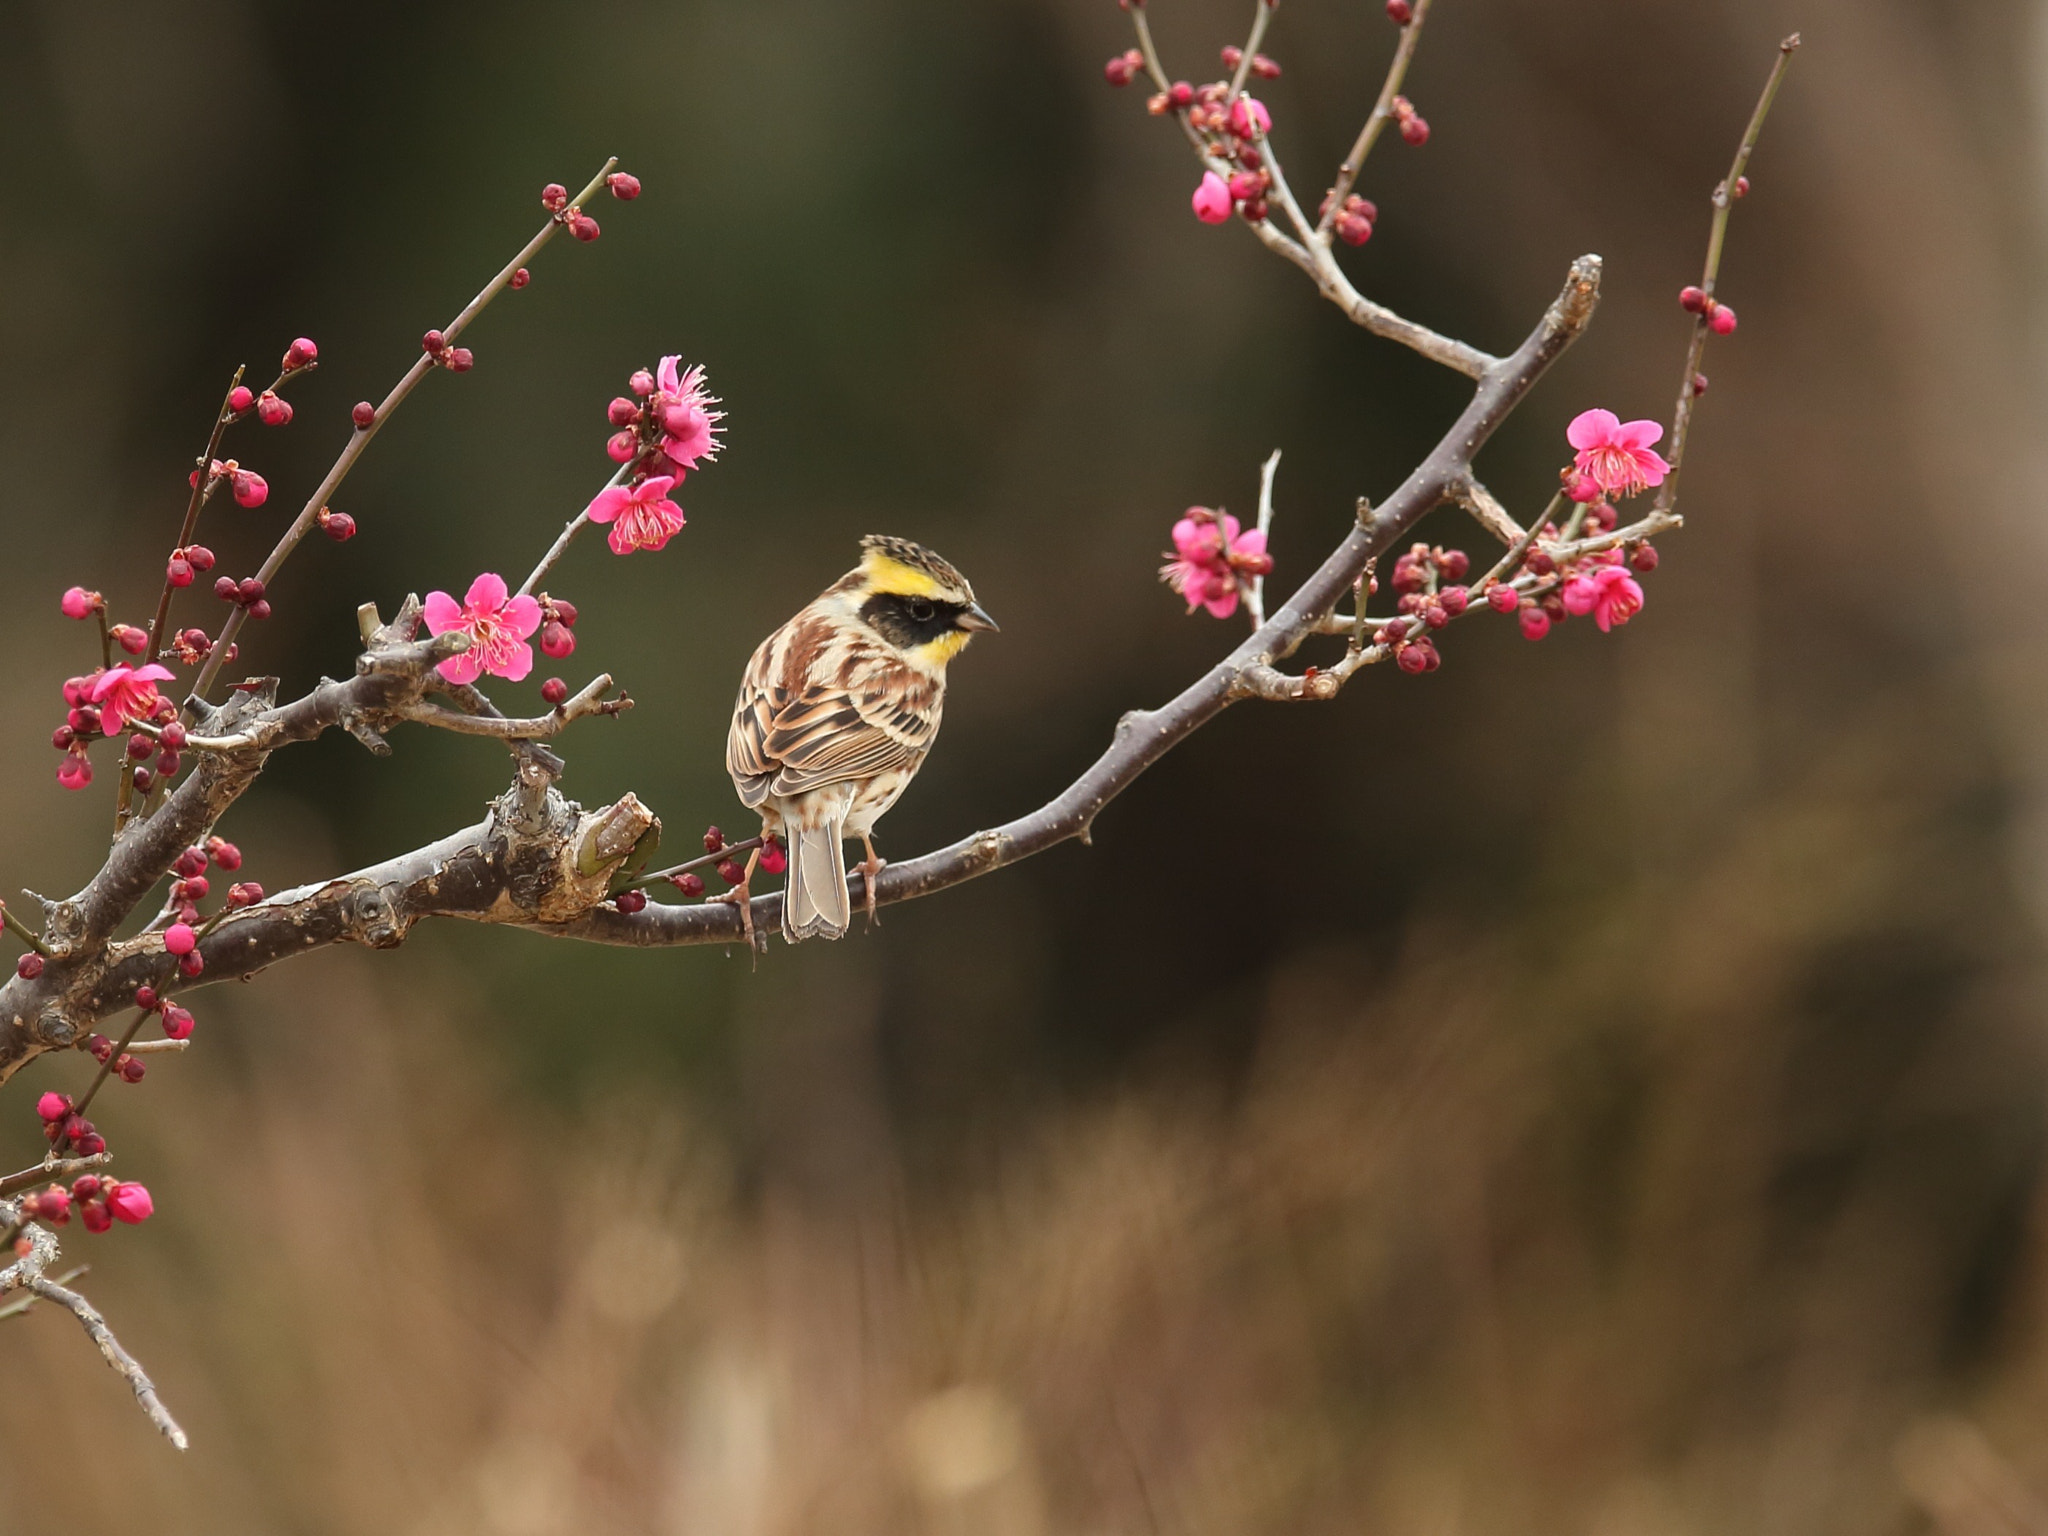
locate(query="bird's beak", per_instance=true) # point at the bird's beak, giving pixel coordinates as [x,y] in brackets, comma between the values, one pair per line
[976,617]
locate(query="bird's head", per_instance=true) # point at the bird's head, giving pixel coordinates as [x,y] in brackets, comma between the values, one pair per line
[915,601]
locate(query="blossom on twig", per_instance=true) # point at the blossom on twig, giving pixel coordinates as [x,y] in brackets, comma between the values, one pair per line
[127,693]
[497,624]
[1615,455]
[681,407]
[642,516]
[1210,556]
[1607,592]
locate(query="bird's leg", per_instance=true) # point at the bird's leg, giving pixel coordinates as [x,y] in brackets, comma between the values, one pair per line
[870,867]
[743,893]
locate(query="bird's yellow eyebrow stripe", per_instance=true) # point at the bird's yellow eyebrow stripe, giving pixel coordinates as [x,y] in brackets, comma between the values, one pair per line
[887,575]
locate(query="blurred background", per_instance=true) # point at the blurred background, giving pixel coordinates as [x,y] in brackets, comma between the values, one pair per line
[1596,1088]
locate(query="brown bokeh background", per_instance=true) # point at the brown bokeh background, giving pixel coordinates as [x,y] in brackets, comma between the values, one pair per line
[1597,1088]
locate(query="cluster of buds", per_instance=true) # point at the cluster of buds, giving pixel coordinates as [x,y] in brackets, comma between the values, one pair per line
[1413,125]
[1263,67]
[1230,129]
[1697,301]
[129,1068]
[436,345]
[100,1202]
[246,593]
[250,489]
[1597,583]
[557,623]
[166,746]
[187,563]
[1123,68]
[1354,220]
[192,646]
[665,423]
[177,1021]
[64,1127]
[1429,579]
[1212,561]
[555,198]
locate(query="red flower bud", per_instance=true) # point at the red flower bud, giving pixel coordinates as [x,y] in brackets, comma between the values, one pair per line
[244,893]
[554,197]
[1264,67]
[1232,55]
[730,872]
[240,398]
[1454,600]
[62,737]
[129,1201]
[53,1106]
[189,863]
[622,412]
[521,278]
[564,610]
[178,572]
[624,186]
[129,638]
[86,1186]
[690,884]
[714,840]
[143,779]
[300,353]
[95,1216]
[179,939]
[556,641]
[177,1023]
[1352,229]
[554,690]
[29,966]
[433,341]
[1722,321]
[251,489]
[1644,558]
[273,411]
[1415,129]
[1535,623]
[1742,186]
[774,860]
[131,1070]
[1692,300]
[140,746]
[584,228]
[77,603]
[145,998]
[621,446]
[338,526]
[200,556]
[248,589]
[192,964]
[630,902]
[224,853]
[460,359]
[1118,71]
[1699,384]
[1400,12]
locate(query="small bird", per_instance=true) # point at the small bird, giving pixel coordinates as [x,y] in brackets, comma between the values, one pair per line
[835,715]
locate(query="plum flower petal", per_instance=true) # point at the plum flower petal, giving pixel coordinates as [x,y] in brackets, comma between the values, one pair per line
[497,624]
[683,407]
[642,516]
[1212,199]
[1616,455]
[127,693]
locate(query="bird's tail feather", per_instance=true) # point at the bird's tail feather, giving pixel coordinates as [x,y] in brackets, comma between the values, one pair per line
[815,900]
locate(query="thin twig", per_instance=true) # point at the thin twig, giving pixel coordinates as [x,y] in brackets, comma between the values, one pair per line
[360,439]
[719,857]
[1262,17]
[575,526]
[1723,201]
[1377,120]
[125,1365]
[1255,599]
[49,1172]
[589,701]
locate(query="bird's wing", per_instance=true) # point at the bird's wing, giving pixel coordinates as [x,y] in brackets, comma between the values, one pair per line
[819,707]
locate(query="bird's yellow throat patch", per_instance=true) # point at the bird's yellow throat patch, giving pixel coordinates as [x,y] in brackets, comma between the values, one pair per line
[886,575]
[936,653]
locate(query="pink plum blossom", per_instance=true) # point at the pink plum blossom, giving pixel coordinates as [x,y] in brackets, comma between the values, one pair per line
[1212,199]
[1614,454]
[129,1201]
[497,625]
[1208,558]
[1247,110]
[642,516]
[127,693]
[682,406]
[1609,593]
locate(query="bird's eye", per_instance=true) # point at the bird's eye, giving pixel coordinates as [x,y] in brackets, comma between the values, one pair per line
[920,610]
